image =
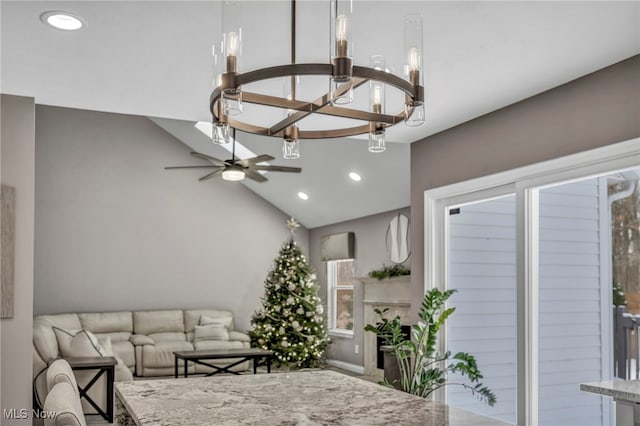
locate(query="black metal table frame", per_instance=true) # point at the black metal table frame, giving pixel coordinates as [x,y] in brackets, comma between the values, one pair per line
[216,370]
[109,369]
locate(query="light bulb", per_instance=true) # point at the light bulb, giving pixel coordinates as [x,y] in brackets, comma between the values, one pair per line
[342,24]
[377,95]
[414,59]
[232,44]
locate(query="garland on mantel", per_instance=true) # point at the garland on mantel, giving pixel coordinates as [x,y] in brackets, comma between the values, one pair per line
[390,272]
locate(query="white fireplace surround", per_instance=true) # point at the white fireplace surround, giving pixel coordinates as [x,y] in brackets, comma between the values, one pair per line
[392,293]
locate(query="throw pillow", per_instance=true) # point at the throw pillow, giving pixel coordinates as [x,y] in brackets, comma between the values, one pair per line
[206,320]
[210,332]
[77,343]
[122,372]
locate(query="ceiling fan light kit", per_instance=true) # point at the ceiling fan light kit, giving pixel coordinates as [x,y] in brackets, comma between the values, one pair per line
[236,169]
[233,174]
[228,98]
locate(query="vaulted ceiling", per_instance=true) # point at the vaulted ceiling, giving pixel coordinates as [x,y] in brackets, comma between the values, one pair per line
[152,58]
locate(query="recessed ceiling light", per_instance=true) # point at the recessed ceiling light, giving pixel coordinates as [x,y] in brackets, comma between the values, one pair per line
[303,195]
[355,176]
[62,20]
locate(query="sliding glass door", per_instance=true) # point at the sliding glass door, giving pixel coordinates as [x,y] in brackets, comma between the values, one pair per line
[530,253]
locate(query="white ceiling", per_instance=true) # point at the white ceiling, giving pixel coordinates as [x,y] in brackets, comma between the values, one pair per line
[152,58]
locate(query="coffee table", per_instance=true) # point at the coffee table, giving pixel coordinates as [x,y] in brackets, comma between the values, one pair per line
[245,354]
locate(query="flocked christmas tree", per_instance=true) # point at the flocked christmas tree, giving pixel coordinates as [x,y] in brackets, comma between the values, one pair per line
[291,322]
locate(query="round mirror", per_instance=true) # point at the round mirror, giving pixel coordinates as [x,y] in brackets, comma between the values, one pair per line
[398,239]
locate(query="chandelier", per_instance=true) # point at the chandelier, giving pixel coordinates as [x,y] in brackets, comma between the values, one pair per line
[228,97]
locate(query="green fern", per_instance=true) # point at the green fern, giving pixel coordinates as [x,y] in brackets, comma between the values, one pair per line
[422,369]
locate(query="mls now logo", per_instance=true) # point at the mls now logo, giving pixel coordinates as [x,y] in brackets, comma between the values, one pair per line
[23,413]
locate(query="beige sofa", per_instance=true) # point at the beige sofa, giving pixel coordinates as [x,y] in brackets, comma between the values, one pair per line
[143,341]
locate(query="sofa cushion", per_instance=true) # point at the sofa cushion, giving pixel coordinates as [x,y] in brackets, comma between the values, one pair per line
[107,322]
[45,342]
[77,343]
[116,336]
[122,373]
[210,332]
[66,321]
[125,351]
[192,317]
[168,337]
[44,338]
[149,322]
[218,344]
[141,339]
[161,354]
[224,321]
[237,335]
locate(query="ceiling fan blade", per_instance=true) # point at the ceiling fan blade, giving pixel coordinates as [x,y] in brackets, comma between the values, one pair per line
[213,160]
[251,174]
[255,160]
[277,169]
[210,175]
[190,167]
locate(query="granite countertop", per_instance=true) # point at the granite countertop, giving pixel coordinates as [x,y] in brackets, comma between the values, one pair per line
[299,398]
[624,390]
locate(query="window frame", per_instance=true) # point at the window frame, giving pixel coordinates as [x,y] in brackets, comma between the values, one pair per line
[332,292]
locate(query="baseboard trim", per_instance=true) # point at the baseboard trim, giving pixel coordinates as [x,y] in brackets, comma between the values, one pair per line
[358,369]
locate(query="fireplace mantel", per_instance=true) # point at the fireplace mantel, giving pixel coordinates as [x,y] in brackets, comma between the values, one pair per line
[396,290]
[392,293]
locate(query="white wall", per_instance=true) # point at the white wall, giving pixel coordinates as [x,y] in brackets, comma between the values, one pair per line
[114,230]
[17,153]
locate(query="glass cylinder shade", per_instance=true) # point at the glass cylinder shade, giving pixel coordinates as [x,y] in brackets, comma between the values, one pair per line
[291,144]
[414,114]
[377,88]
[218,61]
[377,141]
[221,133]
[413,48]
[341,21]
[341,50]
[291,149]
[377,105]
[232,51]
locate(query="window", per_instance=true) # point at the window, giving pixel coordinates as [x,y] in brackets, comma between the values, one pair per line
[563,287]
[340,297]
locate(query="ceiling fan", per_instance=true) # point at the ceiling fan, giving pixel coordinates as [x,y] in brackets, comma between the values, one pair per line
[235,169]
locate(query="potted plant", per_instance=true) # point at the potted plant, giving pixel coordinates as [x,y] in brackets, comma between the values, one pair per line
[389,272]
[422,369]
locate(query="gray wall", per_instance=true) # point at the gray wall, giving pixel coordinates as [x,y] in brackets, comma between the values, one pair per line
[114,230]
[599,109]
[17,152]
[371,253]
